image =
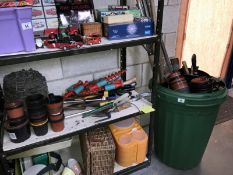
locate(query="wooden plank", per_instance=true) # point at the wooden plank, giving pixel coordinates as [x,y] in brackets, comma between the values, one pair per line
[227,55]
[207,33]
[181,28]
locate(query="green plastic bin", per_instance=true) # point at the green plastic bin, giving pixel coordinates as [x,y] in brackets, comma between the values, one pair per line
[183,125]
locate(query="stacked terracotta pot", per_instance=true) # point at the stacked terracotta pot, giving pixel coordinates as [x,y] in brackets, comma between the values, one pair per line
[17,124]
[37,112]
[56,114]
[201,84]
[177,82]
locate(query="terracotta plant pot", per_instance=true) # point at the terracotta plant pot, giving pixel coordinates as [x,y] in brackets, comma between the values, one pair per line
[173,76]
[18,133]
[14,109]
[55,104]
[177,82]
[57,122]
[40,128]
[201,85]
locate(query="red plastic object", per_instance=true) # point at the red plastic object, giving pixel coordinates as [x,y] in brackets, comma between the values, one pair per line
[18,3]
[93,39]
[48,32]
[64,46]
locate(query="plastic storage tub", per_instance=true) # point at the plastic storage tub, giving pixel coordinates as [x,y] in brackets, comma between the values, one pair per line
[16,30]
[183,125]
[131,142]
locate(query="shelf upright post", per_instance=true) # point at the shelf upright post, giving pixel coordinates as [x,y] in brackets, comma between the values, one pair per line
[123,51]
[3,160]
[5,165]
[156,68]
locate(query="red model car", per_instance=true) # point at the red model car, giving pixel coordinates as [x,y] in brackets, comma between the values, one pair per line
[72,31]
[62,45]
[93,39]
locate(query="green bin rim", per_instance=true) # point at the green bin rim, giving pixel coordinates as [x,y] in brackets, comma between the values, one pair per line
[192,99]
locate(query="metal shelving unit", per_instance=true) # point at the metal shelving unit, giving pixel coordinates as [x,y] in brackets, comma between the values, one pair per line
[7,148]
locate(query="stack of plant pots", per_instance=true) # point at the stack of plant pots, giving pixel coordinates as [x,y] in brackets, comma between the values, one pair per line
[201,84]
[178,82]
[38,114]
[56,113]
[17,124]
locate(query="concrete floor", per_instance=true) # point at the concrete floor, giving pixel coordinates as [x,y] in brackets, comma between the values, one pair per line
[217,160]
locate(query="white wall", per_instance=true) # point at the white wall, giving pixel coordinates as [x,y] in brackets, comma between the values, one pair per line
[62,72]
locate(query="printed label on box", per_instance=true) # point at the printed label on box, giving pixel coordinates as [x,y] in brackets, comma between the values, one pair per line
[26,25]
[48,2]
[147,32]
[37,12]
[37,3]
[52,22]
[50,12]
[38,25]
[12,136]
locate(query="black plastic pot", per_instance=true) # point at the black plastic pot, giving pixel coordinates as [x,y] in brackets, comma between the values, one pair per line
[41,128]
[39,110]
[55,104]
[35,100]
[190,77]
[38,119]
[18,133]
[17,121]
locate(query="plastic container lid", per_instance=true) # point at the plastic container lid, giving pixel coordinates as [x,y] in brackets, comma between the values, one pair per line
[124,124]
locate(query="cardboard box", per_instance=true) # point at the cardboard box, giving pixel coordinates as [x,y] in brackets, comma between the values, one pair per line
[91,28]
[129,30]
[105,12]
[127,18]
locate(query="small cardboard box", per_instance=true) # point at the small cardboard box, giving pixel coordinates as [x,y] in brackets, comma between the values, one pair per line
[91,28]
[126,18]
[105,12]
[128,30]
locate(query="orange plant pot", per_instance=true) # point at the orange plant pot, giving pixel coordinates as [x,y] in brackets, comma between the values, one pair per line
[14,110]
[57,122]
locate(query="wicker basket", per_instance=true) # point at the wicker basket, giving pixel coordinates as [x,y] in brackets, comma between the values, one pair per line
[92,28]
[98,151]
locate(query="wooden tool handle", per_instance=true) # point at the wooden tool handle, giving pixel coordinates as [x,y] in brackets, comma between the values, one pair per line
[130,81]
[185,67]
